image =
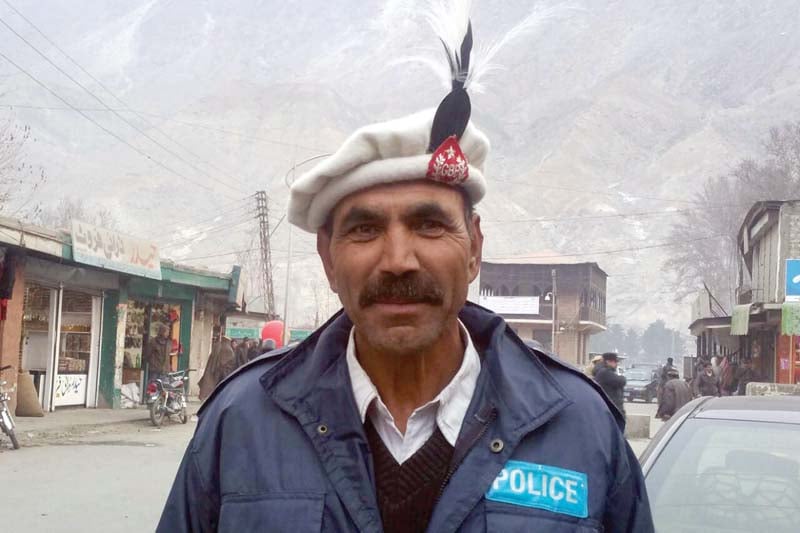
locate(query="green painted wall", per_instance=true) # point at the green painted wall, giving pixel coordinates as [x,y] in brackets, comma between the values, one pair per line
[163,290]
[186,334]
[108,349]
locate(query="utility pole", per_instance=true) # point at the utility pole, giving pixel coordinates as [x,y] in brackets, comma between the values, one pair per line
[555,315]
[262,212]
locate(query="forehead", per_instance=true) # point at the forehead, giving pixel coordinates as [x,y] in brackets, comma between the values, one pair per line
[396,197]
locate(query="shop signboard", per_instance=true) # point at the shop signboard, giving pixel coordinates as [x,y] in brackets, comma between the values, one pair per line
[100,247]
[239,327]
[793,280]
[70,389]
[298,335]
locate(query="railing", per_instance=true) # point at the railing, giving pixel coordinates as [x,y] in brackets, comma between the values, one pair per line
[593,315]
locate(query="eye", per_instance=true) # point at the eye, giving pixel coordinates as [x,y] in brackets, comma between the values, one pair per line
[363,231]
[430,227]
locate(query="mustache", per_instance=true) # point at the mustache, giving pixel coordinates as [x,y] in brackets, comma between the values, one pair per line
[407,288]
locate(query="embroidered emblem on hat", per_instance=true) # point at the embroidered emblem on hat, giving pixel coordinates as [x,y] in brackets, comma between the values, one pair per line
[448,163]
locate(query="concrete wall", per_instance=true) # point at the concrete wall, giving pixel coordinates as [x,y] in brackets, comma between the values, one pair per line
[12,334]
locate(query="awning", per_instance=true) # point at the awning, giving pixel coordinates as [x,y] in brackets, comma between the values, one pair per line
[740,320]
[790,318]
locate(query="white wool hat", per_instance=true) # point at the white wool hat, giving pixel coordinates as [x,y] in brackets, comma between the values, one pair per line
[387,152]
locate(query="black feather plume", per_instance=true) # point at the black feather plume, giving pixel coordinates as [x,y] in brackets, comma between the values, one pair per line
[452,115]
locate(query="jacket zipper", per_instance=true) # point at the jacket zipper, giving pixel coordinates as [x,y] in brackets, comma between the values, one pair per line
[469,444]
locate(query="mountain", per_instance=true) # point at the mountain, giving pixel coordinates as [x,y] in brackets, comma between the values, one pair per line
[602,109]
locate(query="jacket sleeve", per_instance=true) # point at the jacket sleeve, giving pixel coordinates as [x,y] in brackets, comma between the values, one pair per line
[628,508]
[191,504]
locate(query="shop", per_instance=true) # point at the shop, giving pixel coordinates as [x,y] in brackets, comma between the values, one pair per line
[61,331]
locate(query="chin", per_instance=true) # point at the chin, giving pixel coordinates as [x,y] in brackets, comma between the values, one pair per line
[401,340]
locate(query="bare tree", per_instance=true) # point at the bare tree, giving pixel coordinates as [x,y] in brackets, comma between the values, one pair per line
[709,234]
[61,215]
[19,180]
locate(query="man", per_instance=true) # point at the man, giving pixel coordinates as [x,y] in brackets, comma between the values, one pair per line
[665,371]
[705,384]
[242,352]
[157,353]
[410,410]
[593,365]
[744,375]
[610,381]
[675,395]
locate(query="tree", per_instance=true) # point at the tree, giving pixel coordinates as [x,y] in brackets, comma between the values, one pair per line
[610,340]
[19,180]
[656,340]
[68,209]
[632,345]
[709,234]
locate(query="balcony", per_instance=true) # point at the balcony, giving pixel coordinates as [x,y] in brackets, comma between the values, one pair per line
[593,315]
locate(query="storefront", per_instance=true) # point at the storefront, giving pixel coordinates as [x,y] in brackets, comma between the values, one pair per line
[61,331]
[143,322]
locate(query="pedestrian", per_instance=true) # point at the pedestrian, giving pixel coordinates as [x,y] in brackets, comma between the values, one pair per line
[209,379]
[676,394]
[591,368]
[744,375]
[157,354]
[411,410]
[242,352]
[255,350]
[227,359]
[610,381]
[663,376]
[267,346]
[706,384]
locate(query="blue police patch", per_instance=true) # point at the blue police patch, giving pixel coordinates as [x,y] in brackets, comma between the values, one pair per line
[542,487]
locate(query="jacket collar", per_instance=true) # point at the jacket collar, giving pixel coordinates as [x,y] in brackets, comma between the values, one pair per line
[312,384]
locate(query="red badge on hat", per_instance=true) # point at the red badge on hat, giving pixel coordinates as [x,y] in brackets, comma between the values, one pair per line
[448,163]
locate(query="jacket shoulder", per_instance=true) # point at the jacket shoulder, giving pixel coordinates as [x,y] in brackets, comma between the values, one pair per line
[585,390]
[261,363]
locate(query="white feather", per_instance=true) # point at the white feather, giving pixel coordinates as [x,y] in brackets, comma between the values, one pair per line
[482,57]
[449,19]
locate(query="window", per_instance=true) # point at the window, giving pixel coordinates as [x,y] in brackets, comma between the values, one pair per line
[728,475]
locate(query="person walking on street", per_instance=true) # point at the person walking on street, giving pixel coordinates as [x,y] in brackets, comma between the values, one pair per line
[706,384]
[591,368]
[157,354]
[663,376]
[610,381]
[410,410]
[744,375]
[677,393]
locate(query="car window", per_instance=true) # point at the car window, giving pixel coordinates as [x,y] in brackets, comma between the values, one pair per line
[723,475]
[638,375]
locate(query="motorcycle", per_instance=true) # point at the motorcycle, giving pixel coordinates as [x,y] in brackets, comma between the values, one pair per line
[6,421]
[166,396]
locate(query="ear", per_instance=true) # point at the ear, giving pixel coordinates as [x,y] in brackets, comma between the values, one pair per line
[476,248]
[324,251]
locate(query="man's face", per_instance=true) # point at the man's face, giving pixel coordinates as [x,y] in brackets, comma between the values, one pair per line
[401,258]
[709,370]
[612,363]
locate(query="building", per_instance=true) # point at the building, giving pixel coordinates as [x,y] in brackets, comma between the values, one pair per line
[763,329]
[528,293]
[84,305]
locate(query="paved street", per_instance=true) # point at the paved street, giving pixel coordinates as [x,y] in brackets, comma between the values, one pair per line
[107,478]
[111,480]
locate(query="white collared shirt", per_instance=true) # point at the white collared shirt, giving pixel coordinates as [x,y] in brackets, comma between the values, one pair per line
[446,411]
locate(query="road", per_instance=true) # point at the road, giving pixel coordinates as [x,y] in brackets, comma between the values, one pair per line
[110,480]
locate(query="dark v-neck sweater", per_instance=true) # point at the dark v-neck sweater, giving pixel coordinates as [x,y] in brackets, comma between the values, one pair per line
[408,492]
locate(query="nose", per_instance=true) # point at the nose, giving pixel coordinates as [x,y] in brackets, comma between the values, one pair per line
[399,252]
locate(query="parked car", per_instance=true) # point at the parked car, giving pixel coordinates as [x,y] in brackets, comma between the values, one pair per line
[727,464]
[641,384]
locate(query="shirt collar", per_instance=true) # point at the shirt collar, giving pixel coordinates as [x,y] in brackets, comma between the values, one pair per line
[453,401]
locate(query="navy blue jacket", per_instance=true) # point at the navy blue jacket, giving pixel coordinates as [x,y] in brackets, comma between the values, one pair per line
[280,447]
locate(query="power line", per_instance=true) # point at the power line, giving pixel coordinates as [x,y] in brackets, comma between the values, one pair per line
[106,130]
[604,252]
[235,252]
[602,193]
[188,239]
[664,212]
[222,210]
[116,113]
[110,92]
[190,124]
